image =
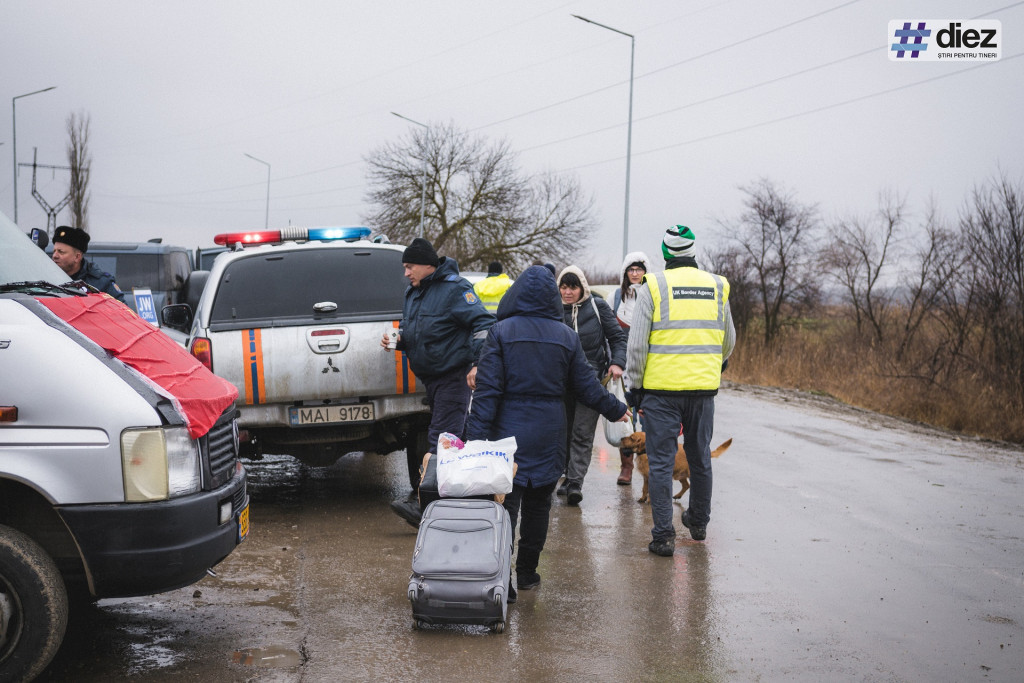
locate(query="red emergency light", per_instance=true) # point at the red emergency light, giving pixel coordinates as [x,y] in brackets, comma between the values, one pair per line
[257,237]
[291,234]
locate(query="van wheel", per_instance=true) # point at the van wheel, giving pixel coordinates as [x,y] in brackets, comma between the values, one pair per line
[33,607]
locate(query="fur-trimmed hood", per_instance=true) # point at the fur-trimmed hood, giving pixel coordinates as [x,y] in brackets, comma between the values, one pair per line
[575,270]
[631,258]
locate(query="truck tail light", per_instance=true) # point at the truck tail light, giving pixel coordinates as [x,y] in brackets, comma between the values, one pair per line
[200,348]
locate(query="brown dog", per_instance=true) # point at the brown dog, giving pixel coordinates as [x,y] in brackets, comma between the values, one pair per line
[637,442]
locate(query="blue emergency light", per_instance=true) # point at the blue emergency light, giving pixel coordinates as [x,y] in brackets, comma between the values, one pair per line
[292,234]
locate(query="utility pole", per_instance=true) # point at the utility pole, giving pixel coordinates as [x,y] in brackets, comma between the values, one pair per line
[14,141]
[51,211]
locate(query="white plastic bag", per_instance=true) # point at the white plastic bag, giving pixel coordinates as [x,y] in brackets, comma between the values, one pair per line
[474,468]
[614,432]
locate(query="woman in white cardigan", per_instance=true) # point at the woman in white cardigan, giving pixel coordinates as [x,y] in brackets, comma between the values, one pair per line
[634,267]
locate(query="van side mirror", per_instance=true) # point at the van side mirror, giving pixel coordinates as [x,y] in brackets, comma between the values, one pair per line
[178,316]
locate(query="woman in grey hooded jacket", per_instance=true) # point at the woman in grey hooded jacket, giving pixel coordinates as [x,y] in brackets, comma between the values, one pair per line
[604,342]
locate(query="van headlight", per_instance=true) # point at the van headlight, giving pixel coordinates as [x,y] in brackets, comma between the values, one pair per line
[159,463]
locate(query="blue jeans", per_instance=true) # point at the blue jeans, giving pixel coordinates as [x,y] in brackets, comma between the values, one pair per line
[663,415]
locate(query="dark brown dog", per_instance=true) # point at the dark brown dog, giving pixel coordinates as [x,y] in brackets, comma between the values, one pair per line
[637,442]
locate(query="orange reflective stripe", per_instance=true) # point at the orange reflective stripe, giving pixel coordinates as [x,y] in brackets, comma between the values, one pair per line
[252,366]
[405,381]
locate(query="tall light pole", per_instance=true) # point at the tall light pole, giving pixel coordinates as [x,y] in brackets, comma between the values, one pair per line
[266,216]
[629,130]
[423,192]
[14,143]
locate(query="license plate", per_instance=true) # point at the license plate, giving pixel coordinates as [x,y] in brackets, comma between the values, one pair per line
[316,415]
[243,524]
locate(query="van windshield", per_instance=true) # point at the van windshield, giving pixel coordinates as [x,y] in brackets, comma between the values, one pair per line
[22,260]
[285,285]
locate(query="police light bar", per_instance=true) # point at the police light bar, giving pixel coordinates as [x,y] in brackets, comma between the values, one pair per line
[291,234]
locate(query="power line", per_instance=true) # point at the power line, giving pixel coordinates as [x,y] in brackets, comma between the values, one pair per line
[238,187]
[418,61]
[709,99]
[706,100]
[527,113]
[798,114]
[665,68]
[614,85]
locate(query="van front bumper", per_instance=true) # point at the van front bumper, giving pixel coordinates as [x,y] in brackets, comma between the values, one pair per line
[144,548]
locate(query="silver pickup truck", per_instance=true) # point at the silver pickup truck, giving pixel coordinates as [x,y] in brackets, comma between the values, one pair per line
[294,319]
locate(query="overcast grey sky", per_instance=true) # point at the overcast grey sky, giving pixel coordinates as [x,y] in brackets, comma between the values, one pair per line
[725,92]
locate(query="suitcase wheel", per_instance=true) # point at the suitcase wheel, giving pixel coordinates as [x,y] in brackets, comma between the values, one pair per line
[498,627]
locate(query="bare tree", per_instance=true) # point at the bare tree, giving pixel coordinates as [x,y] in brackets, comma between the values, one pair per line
[922,285]
[479,206]
[80,161]
[734,264]
[857,253]
[775,234]
[992,226]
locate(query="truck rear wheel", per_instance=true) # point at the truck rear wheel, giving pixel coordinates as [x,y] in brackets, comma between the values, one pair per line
[33,607]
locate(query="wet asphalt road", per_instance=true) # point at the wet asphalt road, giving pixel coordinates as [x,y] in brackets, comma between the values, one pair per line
[843,546]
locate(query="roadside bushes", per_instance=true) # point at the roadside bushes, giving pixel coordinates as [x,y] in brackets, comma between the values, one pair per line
[925,322]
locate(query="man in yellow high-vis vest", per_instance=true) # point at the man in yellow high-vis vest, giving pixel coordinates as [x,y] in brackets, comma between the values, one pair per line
[493,287]
[681,336]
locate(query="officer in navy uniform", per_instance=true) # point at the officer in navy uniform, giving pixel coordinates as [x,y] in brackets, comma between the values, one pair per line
[69,247]
[444,325]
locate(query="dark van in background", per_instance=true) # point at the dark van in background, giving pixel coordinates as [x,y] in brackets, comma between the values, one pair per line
[205,256]
[161,268]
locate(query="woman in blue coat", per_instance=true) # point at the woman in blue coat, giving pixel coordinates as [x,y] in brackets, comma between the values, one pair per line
[529,361]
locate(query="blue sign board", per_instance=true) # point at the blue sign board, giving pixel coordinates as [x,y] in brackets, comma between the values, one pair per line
[144,305]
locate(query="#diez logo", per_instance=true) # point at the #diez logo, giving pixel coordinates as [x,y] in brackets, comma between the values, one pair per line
[933,40]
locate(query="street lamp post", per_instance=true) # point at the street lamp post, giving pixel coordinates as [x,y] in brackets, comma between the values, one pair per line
[14,143]
[423,192]
[629,130]
[266,216]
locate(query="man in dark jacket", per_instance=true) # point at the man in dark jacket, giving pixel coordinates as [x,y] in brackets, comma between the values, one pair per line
[69,247]
[443,328]
[528,363]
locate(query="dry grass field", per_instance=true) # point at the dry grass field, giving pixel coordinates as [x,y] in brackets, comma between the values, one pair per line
[827,358]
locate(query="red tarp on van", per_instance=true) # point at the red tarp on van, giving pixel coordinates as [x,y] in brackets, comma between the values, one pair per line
[202,395]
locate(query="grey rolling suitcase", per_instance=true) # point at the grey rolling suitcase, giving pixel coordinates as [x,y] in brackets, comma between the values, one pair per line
[461,564]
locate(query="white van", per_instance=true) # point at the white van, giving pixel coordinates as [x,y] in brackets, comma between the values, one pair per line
[119,469]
